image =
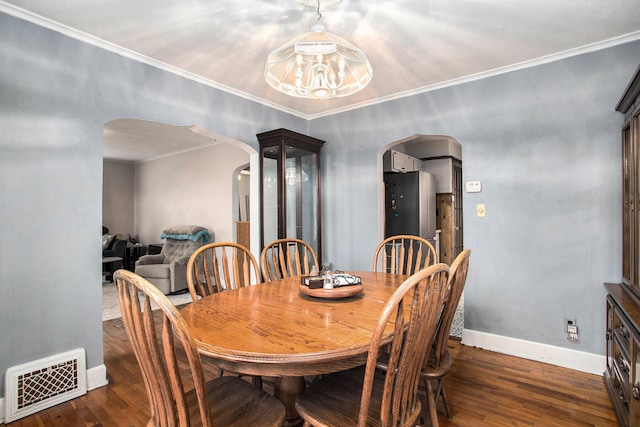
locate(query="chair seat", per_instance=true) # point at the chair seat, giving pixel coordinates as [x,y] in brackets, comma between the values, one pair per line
[334,400]
[158,271]
[437,370]
[236,403]
[433,370]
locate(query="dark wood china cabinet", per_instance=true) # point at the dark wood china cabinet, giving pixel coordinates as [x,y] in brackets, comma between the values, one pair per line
[622,374]
[290,188]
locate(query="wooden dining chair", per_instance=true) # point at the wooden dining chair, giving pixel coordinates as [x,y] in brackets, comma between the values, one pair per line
[287,258]
[220,266]
[403,254]
[438,364]
[438,361]
[169,361]
[366,396]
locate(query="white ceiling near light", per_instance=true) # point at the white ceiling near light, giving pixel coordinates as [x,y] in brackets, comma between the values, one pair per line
[413,45]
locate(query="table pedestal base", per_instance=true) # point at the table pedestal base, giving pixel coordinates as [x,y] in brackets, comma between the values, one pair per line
[287,389]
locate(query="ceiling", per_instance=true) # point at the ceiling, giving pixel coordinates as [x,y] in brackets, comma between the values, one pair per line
[413,45]
[133,140]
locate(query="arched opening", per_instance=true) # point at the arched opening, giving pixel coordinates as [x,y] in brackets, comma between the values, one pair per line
[177,174]
[157,175]
[242,208]
[430,208]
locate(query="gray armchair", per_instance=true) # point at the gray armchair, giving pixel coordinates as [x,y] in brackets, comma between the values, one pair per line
[168,269]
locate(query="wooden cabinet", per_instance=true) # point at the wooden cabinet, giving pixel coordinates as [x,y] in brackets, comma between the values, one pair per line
[629,105]
[622,374]
[131,254]
[449,187]
[243,233]
[394,161]
[290,188]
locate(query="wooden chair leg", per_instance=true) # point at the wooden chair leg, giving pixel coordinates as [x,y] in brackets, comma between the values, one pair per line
[445,400]
[257,381]
[431,403]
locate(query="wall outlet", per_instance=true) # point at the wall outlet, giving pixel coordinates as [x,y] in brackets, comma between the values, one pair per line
[571,328]
[569,321]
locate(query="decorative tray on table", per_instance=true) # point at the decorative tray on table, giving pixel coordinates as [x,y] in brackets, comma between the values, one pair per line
[340,285]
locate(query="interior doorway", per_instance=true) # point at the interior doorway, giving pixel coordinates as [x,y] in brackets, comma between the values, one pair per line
[206,161]
[439,157]
[242,196]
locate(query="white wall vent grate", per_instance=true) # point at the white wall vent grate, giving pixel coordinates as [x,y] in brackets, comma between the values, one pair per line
[44,383]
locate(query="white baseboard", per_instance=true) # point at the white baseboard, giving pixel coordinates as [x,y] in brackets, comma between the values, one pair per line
[559,356]
[97,377]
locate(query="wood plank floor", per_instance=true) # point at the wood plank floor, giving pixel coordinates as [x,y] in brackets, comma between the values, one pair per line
[485,389]
[491,389]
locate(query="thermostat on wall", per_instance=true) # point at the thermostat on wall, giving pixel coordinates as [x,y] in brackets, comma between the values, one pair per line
[473,186]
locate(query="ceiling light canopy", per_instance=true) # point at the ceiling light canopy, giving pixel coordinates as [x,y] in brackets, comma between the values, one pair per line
[318,65]
[314,3]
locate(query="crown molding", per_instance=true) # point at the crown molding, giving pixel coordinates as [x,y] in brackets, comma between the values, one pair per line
[119,50]
[73,33]
[594,47]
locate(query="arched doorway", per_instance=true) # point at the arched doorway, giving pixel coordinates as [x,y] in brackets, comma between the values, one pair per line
[440,157]
[152,147]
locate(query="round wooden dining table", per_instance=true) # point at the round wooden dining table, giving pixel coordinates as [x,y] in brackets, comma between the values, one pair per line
[273,329]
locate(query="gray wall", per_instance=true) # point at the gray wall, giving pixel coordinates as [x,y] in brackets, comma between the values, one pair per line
[118,201]
[194,187]
[55,95]
[545,142]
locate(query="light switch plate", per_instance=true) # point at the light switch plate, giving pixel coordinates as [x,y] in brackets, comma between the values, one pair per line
[480,210]
[473,186]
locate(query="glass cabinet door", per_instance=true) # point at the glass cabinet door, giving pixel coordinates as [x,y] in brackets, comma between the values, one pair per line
[632,200]
[290,196]
[270,187]
[301,195]
[629,105]
[628,201]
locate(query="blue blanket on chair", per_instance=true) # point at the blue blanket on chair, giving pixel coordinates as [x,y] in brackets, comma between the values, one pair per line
[204,234]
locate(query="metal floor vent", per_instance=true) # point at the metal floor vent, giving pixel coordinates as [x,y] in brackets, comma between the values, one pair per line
[44,383]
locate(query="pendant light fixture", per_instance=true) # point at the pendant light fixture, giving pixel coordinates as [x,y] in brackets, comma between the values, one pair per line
[318,64]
